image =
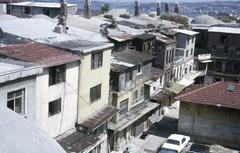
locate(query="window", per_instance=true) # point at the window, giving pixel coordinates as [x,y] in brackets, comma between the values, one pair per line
[56,75]
[192,51]
[96,60]
[16,101]
[214,48]
[54,107]
[226,50]
[171,141]
[183,140]
[186,53]
[95,93]
[135,94]
[223,39]
[161,79]
[170,53]
[128,76]
[166,57]
[142,91]
[139,69]
[26,10]
[188,39]
[238,51]
[123,106]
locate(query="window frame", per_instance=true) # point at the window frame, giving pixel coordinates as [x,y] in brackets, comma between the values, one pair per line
[123,106]
[57,77]
[55,109]
[15,97]
[95,93]
[96,60]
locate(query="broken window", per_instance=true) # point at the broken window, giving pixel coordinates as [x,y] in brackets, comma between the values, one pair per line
[16,101]
[54,107]
[57,75]
[95,93]
[96,60]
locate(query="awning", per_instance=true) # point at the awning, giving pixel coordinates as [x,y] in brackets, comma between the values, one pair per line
[132,116]
[77,142]
[98,118]
[176,88]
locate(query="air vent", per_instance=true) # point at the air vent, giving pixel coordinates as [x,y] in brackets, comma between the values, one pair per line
[230,88]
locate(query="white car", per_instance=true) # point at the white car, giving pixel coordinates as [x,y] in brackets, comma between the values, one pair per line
[175,143]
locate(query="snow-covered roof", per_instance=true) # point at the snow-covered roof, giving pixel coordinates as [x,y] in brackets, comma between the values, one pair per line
[205,20]
[18,135]
[42,4]
[186,32]
[231,30]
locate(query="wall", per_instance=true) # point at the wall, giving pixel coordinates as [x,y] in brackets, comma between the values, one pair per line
[30,93]
[90,78]
[3,9]
[67,91]
[211,124]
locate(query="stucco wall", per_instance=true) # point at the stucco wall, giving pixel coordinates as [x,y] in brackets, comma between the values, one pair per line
[67,91]
[29,84]
[211,124]
[90,78]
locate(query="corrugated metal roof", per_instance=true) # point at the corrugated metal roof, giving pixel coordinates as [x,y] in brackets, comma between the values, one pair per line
[38,54]
[214,94]
[231,30]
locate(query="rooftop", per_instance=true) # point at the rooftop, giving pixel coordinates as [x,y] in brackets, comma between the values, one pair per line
[145,36]
[8,39]
[38,54]
[223,29]
[42,4]
[186,32]
[216,94]
[15,129]
[130,58]
[165,39]
[77,142]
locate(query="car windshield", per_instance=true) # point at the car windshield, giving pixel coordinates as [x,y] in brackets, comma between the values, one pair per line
[165,150]
[175,142]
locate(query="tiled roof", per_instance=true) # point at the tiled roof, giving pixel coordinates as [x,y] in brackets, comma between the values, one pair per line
[38,54]
[214,94]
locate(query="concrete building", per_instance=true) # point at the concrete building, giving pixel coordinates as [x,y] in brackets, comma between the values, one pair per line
[184,55]
[92,109]
[224,47]
[130,93]
[35,82]
[210,113]
[165,55]
[28,9]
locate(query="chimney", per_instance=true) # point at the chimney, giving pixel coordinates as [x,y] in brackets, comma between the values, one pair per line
[158,8]
[137,11]
[62,26]
[176,8]
[87,13]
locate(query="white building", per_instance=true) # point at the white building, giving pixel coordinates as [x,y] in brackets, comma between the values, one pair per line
[184,56]
[39,82]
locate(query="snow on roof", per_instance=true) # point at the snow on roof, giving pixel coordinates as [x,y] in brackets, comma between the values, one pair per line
[18,135]
[176,137]
[231,30]
[42,4]
[41,30]
[186,32]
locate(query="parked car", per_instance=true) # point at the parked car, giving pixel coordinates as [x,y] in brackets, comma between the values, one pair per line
[198,148]
[175,143]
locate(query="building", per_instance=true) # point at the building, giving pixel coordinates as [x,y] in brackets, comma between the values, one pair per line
[3,5]
[145,43]
[165,55]
[28,9]
[130,93]
[210,113]
[35,83]
[184,55]
[224,47]
[92,109]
